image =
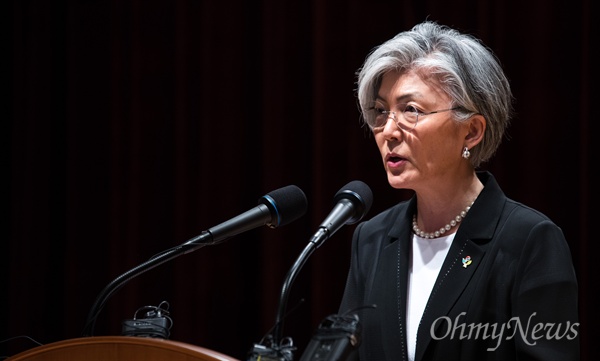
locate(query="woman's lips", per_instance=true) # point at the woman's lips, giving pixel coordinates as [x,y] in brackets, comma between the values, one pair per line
[394,160]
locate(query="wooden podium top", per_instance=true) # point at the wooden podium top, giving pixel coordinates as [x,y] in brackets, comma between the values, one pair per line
[119,348]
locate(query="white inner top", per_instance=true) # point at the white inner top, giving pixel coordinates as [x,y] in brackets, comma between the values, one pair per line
[426,259]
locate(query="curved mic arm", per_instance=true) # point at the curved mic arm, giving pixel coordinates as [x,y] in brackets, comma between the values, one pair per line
[352,203]
[314,243]
[120,281]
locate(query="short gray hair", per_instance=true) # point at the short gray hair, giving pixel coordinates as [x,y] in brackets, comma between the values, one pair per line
[466,70]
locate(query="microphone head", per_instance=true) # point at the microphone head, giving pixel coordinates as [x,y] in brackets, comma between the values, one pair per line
[361,197]
[286,205]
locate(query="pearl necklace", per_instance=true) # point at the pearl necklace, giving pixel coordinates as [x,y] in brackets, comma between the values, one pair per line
[442,230]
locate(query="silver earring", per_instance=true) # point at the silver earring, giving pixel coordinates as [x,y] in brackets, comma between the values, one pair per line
[465,153]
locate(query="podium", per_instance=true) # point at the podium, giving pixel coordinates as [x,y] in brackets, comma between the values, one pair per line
[119,348]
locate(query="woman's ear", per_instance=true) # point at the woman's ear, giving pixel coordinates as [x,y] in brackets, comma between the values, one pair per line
[476,128]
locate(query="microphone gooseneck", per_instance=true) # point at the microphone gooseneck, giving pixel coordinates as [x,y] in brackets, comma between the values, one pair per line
[276,208]
[352,202]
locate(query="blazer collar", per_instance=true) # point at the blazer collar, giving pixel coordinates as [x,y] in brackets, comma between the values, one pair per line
[482,218]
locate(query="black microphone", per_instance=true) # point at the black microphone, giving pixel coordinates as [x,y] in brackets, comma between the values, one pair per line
[352,202]
[277,208]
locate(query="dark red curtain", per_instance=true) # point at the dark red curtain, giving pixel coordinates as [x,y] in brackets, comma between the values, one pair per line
[133,126]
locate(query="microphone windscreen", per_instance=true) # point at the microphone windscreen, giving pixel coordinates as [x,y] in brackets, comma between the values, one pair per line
[286,204]
[361,197]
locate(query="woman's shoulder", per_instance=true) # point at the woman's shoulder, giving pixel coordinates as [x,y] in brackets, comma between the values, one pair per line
[391,213]
[387,223]
[520,213]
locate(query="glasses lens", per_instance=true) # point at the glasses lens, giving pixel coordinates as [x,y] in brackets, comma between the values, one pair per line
[405,116]
[410,115]
[376,116]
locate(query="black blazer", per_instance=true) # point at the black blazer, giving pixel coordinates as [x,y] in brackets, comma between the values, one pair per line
[516,300]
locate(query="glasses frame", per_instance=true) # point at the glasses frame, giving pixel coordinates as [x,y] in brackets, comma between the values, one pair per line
[392,114]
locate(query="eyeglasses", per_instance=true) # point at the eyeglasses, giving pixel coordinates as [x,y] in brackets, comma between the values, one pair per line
[405,116]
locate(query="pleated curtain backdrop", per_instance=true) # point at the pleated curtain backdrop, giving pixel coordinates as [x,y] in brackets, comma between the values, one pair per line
[133,126]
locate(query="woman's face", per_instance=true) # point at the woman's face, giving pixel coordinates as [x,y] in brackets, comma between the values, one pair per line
[428,156]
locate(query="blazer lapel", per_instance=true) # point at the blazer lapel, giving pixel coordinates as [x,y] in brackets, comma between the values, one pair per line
[393,277]
[450,284]
[393,300]
[469,244]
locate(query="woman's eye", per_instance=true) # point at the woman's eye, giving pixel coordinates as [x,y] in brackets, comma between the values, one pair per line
[410,109]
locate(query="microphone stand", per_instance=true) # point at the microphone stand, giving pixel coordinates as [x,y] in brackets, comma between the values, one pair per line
[352,203]
[283,352]
[314,243]
[187,247]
